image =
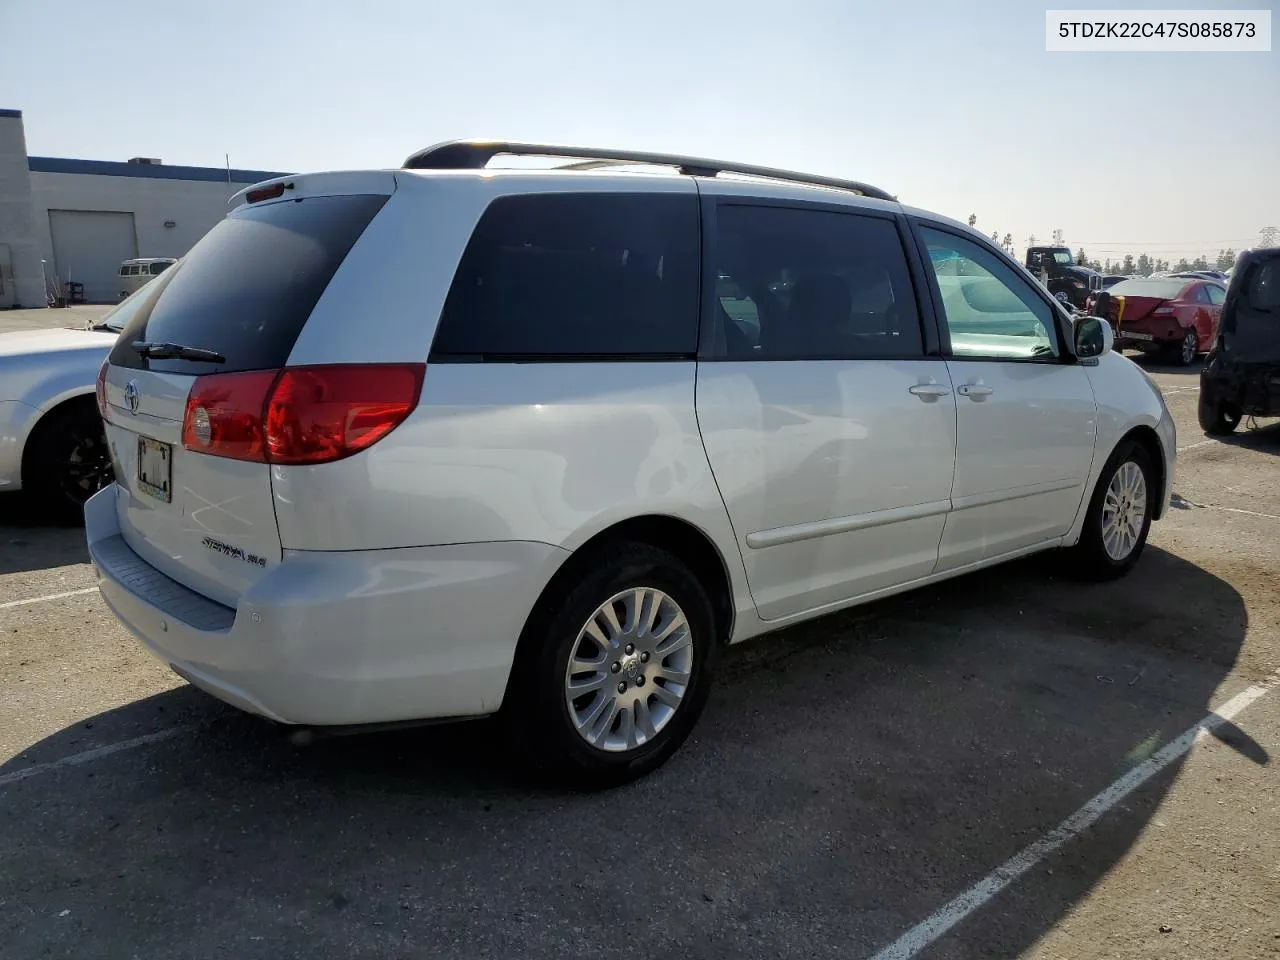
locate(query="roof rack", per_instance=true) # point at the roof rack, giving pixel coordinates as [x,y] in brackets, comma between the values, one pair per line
[476,154]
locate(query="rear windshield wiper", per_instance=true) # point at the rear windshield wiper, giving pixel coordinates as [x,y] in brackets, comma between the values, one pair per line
[176,351]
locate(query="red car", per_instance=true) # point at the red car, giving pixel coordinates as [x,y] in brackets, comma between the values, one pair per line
[1174,316]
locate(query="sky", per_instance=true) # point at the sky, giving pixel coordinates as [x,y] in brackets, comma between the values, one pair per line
[955,107]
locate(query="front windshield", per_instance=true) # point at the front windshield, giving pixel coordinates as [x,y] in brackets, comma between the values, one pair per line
[1063,256]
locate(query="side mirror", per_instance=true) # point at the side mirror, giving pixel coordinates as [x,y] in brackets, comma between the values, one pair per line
[1094,338]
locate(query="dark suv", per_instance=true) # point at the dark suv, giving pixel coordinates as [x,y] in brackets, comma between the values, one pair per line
[1241,376]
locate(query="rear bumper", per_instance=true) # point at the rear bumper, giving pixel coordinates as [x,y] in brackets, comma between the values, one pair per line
[337,638]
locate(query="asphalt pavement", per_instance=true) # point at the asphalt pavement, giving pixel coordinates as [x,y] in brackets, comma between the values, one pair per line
[859,785]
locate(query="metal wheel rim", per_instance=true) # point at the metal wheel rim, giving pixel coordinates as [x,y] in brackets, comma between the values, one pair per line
[1189,347]
[1124,509]
[629,669]
[86,469]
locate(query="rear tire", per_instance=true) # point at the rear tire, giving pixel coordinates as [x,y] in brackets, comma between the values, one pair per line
[1188,349]
[562,734]
[1217,418]
[66,462]
[1119,516]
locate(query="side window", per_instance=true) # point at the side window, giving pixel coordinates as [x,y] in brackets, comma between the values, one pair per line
[158,268]
[1216,294]
[990,310]
[124,269]
[817,285]
[567,276]
[1202,294]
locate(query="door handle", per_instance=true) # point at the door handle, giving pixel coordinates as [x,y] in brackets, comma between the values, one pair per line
[974,391]
[929,392]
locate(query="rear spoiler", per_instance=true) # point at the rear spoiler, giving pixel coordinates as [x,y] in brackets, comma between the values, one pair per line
[336,183]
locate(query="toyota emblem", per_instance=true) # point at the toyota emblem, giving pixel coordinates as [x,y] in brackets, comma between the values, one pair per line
[131,396]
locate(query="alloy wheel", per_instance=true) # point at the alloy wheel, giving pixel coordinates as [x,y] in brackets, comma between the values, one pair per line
[1124,510]
[629,669]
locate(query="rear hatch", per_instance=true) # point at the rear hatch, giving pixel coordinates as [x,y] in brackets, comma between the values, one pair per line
[244,294]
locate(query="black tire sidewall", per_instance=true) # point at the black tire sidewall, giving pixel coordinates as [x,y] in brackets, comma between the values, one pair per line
[1092,559]
[539,717]
[54,437]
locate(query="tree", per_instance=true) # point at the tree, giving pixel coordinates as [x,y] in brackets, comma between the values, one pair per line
[1106,266]
[973,219]
[1144,265]
[1057,237]
[1267,237]
[1007,243]
[1081,258]
[1226,259]
[995,237]
[1200,263]
[1181,266]
[1127,267]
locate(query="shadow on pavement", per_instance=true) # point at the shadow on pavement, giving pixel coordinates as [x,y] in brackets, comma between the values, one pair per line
[850,776]
[28,542]
[1265,438]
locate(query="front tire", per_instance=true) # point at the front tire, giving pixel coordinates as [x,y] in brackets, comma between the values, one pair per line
[66,462]
[614,667]
[1119,517]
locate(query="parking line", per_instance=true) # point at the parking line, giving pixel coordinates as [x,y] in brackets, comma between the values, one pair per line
[1192,446]
[97,753]
[53,596]
[925,933]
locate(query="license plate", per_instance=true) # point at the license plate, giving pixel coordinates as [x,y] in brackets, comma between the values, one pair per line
[155,469]
[1136,336]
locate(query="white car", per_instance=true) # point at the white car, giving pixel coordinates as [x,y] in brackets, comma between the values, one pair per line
[447,440]
[51,438]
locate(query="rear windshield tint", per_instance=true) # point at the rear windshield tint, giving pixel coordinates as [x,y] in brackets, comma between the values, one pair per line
[246,289]
[576,276]
[1161,289]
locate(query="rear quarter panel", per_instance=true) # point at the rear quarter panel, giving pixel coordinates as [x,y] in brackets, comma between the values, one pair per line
[547,452]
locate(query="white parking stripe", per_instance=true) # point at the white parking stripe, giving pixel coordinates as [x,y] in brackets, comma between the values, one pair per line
[1192,446]
[97,753]
[52,596]
[925,933]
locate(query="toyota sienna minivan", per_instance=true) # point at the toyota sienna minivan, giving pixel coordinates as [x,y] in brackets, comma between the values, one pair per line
[450,440]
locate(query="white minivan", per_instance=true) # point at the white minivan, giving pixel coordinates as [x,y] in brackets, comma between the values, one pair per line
[135,274]
[449,440]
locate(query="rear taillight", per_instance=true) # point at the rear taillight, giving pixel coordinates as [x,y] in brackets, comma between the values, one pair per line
[224,415]
[100,389]
[299,415]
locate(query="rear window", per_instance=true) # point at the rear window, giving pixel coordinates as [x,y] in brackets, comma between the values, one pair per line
[576,276]
[158,268]
[1162,289]
[246,289]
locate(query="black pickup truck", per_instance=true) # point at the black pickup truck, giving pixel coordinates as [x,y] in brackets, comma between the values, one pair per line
[1065,279]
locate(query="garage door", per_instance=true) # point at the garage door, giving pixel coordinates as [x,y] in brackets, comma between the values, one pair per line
[88,246]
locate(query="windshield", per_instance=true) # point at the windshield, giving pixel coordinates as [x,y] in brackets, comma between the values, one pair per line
[1063,256]
[1161,289]
[128,307]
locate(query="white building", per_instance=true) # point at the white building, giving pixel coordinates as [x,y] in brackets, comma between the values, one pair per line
[83,217]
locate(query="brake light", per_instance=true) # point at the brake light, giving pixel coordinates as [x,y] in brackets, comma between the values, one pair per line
[299,415]
[267,193]
[100,388]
